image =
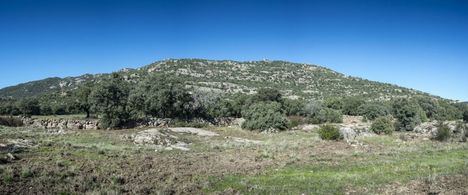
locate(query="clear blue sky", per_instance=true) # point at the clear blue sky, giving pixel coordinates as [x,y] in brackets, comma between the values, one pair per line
[421,44]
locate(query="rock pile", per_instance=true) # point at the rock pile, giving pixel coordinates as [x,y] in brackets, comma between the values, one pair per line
[429,129]
[354,127]
[158,138]
[62,123]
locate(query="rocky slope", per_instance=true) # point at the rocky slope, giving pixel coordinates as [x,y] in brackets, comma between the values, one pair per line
[293,79]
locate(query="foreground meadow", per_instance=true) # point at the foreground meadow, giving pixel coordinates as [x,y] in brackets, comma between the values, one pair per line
[38,161]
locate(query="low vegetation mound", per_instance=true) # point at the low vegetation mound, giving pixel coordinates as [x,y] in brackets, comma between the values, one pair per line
[382,125]
[443,132]
[329,132]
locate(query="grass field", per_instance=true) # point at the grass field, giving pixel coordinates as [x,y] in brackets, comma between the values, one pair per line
[292,162]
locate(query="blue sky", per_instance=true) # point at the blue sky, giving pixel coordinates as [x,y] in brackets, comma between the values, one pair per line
[421,44]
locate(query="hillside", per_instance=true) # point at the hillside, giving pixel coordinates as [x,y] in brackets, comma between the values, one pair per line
[293,79]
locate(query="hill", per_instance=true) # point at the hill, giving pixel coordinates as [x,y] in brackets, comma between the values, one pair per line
[225,76]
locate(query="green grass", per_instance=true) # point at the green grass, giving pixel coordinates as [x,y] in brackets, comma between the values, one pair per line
[321,178]
[291,162]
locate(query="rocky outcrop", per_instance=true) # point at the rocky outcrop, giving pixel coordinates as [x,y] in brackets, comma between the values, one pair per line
[354,127]
[428,130]
[158,138]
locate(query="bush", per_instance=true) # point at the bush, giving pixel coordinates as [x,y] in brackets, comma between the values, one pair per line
[373,111]
[382,125]
[465,116]
[328,115]
[183,123]
[11,122]
[443,132]
[408,114]
[334,103]
[296,121]
[293,107]
[440,109]
[312,109]
[329,132]
[264,116]
[268,94]
[351,105]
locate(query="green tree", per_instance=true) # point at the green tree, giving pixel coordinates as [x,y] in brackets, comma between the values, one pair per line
[268,94]
[82,102]
[328,115]
[164,97]
[407,113]
[373,110]
[294,107]
[29,106]
[109,100]
[430,106]
[239,103]
[351,105]
[264,116]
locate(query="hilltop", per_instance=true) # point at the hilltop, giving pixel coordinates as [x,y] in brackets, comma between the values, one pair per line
[226,76]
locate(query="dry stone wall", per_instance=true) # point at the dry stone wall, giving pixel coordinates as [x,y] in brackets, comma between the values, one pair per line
[93,124]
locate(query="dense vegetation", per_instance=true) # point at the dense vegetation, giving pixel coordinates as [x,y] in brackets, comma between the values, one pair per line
[119,103]
[265,101]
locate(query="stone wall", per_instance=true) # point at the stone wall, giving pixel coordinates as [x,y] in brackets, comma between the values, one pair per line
[93,124]
[62,123]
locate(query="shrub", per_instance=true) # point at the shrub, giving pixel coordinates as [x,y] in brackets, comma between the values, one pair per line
[382,125]
[328,115]
[184,123]
[408,114]
[296,121]
[443,132]
[351,105]
[264,116]
[465,116]
[11,122]
[293,107]
[268,94]
[312,109]
[373,111]
[334,103]
[329,132]
[460,127]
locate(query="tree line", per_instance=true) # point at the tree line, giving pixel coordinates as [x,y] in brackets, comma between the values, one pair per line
[117,103]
